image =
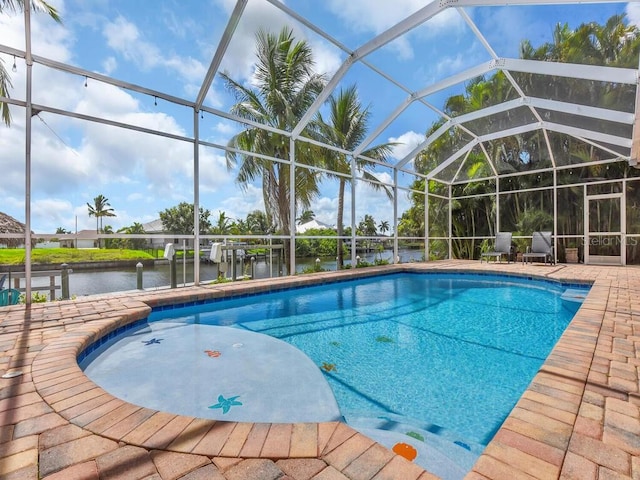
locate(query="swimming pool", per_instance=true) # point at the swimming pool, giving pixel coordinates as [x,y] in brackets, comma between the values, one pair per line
[435,360]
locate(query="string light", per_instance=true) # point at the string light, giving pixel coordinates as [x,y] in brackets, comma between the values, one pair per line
[85,81]
[14,69]
[155,100]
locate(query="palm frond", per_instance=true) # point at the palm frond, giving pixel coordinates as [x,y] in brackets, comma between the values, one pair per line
[5,85]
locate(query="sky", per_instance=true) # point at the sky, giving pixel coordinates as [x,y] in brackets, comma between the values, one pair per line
[167,46]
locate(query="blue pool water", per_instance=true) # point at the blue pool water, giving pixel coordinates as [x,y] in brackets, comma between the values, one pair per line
[439,359]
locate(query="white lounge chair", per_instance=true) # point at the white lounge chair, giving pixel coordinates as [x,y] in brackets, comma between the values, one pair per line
[501,247]
[541,248]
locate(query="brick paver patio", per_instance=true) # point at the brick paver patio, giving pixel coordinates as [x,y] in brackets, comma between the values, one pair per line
[579,418]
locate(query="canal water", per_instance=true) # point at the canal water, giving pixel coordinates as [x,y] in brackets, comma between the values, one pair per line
[92,282]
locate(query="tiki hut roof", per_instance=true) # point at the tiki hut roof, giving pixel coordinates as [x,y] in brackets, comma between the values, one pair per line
[8,224]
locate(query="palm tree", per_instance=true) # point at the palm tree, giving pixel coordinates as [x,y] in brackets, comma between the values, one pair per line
[367,226]
[133,243]
[257,222]
[223,225]
[99,210]
[109,242]
[285,87]
[383,227]
[306,216]
[5,79]
[346,128]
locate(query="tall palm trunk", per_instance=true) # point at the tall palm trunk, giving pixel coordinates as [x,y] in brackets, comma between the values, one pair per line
[285,215]
[98,229]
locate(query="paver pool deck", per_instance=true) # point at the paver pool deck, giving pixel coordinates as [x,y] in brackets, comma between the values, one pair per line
[579,418]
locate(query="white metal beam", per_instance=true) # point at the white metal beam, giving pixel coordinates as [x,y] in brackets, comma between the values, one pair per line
[547,143]
[501,107]
[384,124]
[582,110]
[603,147]
[112,123]
[571,70]
[468,74]
[610,115]
[575,132]
[510,132]
[110,81]
[452,158]
[489,160]
[320,99]
[462,164]
[581,132]
[402,27]
[488,111]
[27,152]
[493,3]
[564,107]
[313,27]
[588,72]
[424,144]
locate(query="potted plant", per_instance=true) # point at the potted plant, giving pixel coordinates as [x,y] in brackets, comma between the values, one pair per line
[520,245]
[571,252]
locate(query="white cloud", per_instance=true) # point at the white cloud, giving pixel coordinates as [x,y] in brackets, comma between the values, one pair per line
[377,16]
[80,220]
[633,13]
[124,37]
[117,155]
[450,64]
[406,143]
[100,99]
[376,203]
[373,15]
[369,201]
[506,27]
[48,38]
[240,56]
[74,160]
[240,202]
[179,26]
[135,197]
[213,171]
[109,65]
[225,128]
[326,209]
[327,60]
[189,67]
[52,213]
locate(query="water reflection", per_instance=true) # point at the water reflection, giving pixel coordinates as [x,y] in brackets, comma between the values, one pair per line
[91,282]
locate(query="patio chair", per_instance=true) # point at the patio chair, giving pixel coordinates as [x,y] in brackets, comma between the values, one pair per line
[502,246]
[9,296]
[541,248]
